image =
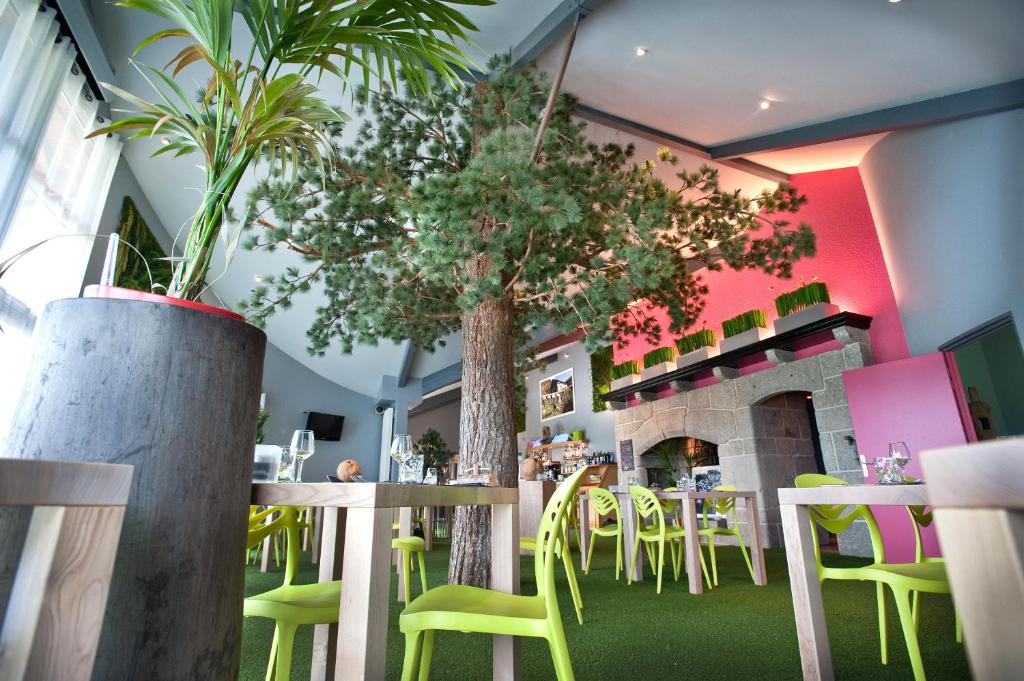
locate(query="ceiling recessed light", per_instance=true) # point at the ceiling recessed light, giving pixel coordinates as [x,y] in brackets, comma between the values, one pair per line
[765,105]
[893,2]
[641,51]
[165,140]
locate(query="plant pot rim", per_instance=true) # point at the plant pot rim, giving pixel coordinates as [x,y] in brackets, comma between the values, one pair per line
[118,293]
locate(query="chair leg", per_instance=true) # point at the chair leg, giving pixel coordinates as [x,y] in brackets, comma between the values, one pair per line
[590,554]
[423,572]
[883,635]
[273,656]
[618,553]
[407,573]
[413,643]
[574,587]
[909,633]
[560,655]
[632,563]
[746,556]
[285,643]
[915,608]
[426,655]
[714,561]
[661,561]
[649,548]
[703,565]
[677,559]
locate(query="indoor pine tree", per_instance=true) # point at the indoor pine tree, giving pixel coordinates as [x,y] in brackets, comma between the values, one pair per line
[438,217]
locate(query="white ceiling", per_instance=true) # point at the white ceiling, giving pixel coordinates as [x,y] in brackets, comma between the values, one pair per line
[708,66]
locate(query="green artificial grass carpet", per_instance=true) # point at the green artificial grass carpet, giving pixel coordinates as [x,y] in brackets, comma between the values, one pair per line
[736,631]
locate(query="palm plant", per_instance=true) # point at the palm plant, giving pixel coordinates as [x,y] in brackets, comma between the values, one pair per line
[265,103]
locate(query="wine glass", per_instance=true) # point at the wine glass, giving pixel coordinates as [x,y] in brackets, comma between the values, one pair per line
[401,450]
[302,448]
[900,455]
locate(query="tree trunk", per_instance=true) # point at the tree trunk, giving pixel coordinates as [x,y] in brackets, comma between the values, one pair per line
[487,433]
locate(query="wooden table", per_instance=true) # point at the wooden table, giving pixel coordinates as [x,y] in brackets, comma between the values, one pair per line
[356,548]
[812,634]
[692,540]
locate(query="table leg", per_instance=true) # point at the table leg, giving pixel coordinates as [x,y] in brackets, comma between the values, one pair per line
[628,521]
[584,509]
[363,631]
[332,552]
[404,530]
[428,528]
[505,577]
[318,531]
[756,543]
[811,632]
[692,542]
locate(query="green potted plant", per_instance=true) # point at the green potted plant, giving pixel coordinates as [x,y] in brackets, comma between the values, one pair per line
[744,329]
[658,361]
[167,383]
[625,374]
[696,347]
[435,451]
[804,305]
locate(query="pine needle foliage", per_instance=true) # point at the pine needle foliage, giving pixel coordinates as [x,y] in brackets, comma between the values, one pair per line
[705,338]
[659,356]
[802,298]
[437,206]
[627,368]
[744,322]
[434,449]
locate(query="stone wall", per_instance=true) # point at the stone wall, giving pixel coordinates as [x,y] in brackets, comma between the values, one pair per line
[759,422]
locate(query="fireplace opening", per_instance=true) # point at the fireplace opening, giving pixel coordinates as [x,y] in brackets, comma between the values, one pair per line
[668,460]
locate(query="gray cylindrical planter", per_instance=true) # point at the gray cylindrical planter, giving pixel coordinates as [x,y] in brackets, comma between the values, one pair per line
[175,392]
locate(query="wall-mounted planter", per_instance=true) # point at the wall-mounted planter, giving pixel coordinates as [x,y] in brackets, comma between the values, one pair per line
[805,316]
[746,338]
[698,355]
[657,370]
[625,381]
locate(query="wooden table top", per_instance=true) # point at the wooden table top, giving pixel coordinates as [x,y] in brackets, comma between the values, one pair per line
[713,494]
[378,494]
[875,495]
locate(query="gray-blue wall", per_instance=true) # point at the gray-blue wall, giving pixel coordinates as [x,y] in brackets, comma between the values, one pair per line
[947,202]
[292,390]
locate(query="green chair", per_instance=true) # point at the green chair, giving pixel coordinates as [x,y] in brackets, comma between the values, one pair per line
[409,546]
[289,605]
[565,554]
[901,578]
[920,517]
[654,532]
[471,609]
[727,507]
[606,505]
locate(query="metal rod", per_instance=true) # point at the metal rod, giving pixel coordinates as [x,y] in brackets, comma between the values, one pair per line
[556,85]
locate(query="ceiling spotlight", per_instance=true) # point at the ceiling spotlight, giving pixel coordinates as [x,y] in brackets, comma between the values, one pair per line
[641,51]
[260,278]
[165,140]
[765,105]
[566,355]
[893,2]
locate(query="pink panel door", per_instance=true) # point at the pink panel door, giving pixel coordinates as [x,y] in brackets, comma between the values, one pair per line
[911,400]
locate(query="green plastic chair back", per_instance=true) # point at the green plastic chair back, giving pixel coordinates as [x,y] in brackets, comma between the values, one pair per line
[723,506]
[837,518]
[550,535]
[920,517]
[604,501]
[288,520]
[648,506]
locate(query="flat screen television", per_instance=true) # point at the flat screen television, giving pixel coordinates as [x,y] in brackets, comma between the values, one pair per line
[325,426]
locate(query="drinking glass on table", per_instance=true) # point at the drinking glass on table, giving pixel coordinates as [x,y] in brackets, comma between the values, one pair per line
[302,448]
[401,451]
[899,453]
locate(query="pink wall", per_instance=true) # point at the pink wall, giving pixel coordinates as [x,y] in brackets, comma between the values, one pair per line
[911,400]
[849,260]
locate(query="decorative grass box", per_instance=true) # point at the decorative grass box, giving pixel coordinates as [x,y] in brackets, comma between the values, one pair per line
[696,347]
[625,374]
[807,304]
[745,329]
[659,361]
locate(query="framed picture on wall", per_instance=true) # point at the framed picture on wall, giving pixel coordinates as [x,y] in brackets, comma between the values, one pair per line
[556,396]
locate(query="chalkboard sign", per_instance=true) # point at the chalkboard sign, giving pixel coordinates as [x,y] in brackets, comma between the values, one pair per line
[626,455]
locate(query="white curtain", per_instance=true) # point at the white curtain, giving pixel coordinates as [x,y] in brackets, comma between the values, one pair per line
[53,181]
[33,64]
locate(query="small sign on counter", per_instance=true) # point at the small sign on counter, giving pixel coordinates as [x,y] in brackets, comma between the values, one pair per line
[626,455]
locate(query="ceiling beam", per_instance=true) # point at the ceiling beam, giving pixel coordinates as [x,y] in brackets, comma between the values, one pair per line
[408,354]
[632,127]
[550,29]
[980,102]
[442,377]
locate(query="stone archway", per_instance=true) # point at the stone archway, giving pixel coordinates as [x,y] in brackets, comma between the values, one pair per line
[731,414]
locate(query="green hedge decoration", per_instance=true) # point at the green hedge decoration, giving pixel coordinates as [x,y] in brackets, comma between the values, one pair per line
[803,297]
[744,322]
[601,362]
[131,271]
[659,355]
[627,368]
[705,338]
